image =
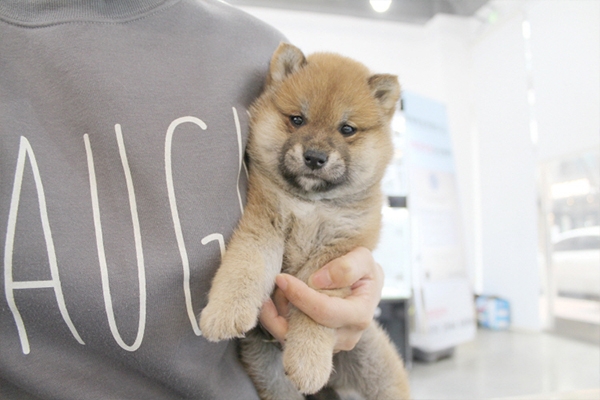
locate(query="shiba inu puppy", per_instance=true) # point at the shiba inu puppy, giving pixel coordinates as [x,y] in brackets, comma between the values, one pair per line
[318,147]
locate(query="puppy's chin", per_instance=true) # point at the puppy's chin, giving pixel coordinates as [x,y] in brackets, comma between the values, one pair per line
[308,184]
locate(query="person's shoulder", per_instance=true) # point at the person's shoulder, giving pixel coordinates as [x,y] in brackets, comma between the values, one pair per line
[235,19]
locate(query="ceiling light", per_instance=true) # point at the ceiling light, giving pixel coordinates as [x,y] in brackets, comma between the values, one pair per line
[526,30]
[380,5]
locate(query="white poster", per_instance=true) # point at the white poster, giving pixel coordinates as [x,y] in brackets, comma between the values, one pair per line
[444,305]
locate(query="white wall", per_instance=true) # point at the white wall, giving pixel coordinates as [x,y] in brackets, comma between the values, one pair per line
[564,76]
[479,71]
[507,173]
[565,41]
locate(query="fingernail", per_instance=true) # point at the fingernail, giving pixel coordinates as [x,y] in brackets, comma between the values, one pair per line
[281,282]
[321,279]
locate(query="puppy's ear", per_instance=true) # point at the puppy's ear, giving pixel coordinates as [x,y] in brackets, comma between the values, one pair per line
[286,60]
[386,90]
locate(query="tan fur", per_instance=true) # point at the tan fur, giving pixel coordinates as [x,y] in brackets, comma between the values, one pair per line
[314,195]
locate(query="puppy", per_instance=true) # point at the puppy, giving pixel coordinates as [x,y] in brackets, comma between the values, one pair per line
[319,144]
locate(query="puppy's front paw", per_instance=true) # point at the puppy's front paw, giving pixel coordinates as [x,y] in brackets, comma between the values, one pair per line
[308,370]
[220,321]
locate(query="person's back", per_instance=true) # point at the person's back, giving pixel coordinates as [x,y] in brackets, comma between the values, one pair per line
[122,129]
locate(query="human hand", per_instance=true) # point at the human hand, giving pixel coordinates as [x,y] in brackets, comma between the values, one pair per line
[349,316]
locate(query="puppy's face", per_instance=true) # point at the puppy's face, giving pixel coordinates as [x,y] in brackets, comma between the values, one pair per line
[321,128]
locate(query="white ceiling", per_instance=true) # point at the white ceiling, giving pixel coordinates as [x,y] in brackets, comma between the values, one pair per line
[407,11]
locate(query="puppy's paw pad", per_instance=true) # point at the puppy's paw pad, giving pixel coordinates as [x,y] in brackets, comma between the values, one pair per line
[222,323]
[308,374]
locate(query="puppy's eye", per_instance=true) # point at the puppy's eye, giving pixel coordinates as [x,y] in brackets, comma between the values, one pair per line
[347,130]
[297,120]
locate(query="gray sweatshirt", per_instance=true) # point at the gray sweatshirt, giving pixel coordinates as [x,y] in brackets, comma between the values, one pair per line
[122,133]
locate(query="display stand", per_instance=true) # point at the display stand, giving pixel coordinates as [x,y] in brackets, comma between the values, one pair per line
[444,308]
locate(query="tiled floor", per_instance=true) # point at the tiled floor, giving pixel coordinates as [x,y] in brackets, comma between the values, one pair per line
[512,365]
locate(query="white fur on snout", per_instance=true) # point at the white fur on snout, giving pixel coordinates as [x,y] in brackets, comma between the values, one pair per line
[336,166]
[294,159]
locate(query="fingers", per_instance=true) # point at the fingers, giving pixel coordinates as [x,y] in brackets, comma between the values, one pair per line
[334,312]
[281,302]
[272,321]
[346,270]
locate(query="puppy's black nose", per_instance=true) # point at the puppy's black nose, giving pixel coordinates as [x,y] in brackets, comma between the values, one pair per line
[315,159]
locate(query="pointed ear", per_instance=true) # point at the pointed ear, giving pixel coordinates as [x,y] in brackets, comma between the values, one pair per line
[386,90]
[286,60]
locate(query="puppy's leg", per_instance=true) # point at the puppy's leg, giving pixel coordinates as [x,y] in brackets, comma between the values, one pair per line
[263,361]
[373,368]
[308,352]
[246,277]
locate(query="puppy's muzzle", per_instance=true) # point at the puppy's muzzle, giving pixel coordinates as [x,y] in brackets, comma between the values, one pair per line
[315,159]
